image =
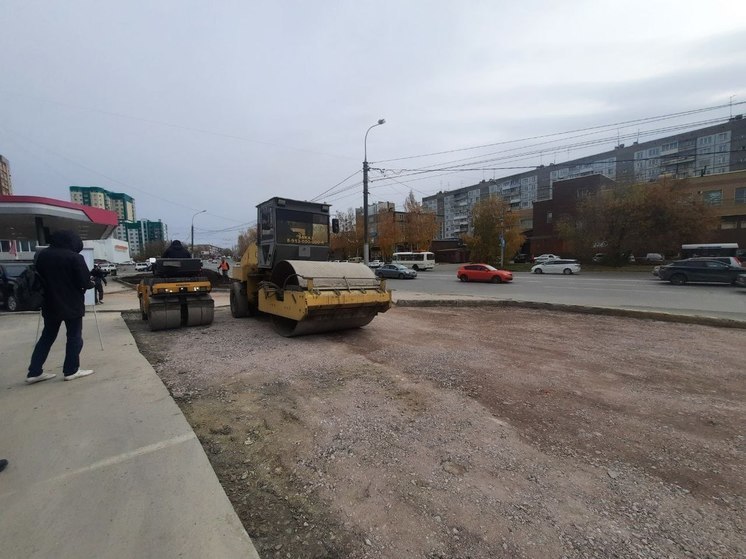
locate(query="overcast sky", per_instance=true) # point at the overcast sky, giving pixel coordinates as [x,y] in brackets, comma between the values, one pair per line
[189,105]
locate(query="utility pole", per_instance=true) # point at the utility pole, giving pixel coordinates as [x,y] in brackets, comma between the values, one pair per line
[192,243]
[366,248]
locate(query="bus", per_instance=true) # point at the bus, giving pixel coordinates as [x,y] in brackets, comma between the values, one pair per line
[711,249]
[415,260]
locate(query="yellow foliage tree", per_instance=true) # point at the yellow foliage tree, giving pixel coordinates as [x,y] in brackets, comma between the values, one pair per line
[420,226]
[493,221]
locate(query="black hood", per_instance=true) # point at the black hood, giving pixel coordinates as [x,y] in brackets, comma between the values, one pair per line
[66,239]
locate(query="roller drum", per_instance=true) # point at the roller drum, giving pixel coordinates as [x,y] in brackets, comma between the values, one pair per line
[199,312]
[164,315]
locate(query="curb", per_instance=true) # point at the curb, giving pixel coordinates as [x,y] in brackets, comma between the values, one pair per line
[578,309]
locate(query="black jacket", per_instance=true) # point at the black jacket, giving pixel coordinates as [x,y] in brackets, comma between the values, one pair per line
[65,275]
[99,276]
[176,250]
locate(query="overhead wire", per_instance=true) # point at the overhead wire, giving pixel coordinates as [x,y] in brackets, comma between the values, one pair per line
[598,127]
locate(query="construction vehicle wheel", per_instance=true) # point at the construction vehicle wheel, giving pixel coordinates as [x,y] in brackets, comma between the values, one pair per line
[143,314]
[200,312]
[240,307]
[163,316]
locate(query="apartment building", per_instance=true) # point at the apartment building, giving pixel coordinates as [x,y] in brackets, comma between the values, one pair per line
[703,152]
[6,185]
[725,192]
[122,204]
[141,232]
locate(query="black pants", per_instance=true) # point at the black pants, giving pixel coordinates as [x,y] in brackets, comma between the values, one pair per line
[99,291]
[73,347]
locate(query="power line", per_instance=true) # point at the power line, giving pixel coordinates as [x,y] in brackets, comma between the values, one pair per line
[599,127]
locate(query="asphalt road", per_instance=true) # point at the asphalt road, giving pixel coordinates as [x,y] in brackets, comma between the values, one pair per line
[628,290]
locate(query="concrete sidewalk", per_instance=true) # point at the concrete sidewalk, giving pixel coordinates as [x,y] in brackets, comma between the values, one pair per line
[105,466]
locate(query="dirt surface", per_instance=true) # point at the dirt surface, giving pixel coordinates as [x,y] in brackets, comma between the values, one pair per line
[471,433]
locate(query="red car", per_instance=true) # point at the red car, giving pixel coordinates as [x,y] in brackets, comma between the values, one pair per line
[483,272]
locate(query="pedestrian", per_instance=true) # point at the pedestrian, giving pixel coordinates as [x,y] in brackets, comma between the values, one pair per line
[176,250]
[65,277]
[99,280]
[224,267]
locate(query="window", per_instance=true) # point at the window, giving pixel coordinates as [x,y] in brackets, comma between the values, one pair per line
[549,217]
[741,195]
[712,197]
[728,224]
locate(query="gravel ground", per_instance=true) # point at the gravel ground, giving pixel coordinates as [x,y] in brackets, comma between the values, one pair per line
[471,433]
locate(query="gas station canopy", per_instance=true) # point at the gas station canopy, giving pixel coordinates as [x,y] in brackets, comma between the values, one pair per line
[34,217]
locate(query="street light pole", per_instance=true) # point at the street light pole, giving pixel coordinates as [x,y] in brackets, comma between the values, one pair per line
[366,253]
[192,244]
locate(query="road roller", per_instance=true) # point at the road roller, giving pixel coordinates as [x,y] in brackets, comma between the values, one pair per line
[176,295]
[286,274]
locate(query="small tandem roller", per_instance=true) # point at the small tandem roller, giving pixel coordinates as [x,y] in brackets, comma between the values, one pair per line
[176,295]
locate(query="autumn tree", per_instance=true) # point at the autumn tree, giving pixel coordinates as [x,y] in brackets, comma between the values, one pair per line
[641,218]
[420,226]
[245,239]
[349,241]
[492,221]
[389,234]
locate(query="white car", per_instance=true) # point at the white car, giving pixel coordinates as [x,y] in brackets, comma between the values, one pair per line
[544,258]
[141,266]
[375,264]
[557,266]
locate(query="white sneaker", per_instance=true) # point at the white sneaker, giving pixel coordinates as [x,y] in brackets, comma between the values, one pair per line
[41,377]
[80,373]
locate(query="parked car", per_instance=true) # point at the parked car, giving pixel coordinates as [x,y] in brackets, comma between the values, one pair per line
[599,257]
[10,295]
[141,266]
[374,264]
[521,258]
[654,257]
[399,271]
[109,268]
[545,257]
[557,266]
[707,270]
[483,272]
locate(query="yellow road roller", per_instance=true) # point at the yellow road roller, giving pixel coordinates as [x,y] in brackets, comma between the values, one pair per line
[286,274]
[176,295]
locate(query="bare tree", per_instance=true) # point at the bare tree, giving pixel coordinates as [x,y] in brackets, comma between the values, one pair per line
[152,249]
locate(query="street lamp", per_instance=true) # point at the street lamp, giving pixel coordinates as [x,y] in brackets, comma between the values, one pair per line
[365,192]
[195,215]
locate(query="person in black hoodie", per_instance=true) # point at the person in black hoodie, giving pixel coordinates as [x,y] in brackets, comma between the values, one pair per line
[65,277]
[176,250]
[99,281]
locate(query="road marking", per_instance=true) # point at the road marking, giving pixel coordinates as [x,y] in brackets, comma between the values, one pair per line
[113,460]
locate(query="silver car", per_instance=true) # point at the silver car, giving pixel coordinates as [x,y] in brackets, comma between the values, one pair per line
[557,266]
[398,271]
